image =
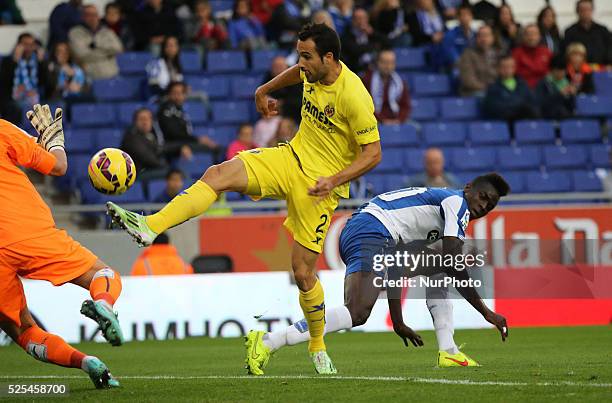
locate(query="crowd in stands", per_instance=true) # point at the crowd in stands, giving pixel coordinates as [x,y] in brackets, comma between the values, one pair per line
[516,72]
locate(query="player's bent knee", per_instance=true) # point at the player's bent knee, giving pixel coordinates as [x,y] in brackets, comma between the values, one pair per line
[359,314]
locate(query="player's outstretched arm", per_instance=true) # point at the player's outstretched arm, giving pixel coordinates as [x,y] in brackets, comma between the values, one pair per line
[287,78]
[399,327]
[61,162]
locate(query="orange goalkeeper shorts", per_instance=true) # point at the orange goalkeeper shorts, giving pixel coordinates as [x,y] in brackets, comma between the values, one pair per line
[56,258]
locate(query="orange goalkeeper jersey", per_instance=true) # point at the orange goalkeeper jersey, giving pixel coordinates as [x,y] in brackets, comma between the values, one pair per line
[23,213]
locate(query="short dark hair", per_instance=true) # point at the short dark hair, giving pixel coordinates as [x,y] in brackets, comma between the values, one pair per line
[579,2]
[465,6]
[175,171]
[139,111]
[325,39]
[112,4]
[25,35]
[494,179]
[174,84]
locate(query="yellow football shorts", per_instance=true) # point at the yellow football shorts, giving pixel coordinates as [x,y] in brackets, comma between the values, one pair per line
[276,173]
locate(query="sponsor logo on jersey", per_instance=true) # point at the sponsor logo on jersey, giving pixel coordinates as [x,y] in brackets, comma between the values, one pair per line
[465,220]
[329,111]
[433,235]
[366,130]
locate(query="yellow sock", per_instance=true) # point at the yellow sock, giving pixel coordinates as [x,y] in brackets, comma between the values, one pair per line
[188,204]
[313,306]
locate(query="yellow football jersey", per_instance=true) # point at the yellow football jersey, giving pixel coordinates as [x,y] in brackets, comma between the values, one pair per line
[336,120]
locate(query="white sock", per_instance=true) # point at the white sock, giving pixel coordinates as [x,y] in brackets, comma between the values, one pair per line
[336,318]
[84,362]
[441,310]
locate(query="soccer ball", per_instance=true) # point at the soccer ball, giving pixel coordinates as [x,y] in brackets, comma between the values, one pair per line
[111,171]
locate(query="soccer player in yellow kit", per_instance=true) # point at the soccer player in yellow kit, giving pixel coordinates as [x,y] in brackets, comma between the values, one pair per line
[337,141]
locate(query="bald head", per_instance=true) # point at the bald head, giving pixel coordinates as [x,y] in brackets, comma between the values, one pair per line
[434,162]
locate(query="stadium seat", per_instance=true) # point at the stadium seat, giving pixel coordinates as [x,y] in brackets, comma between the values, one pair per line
[244,87]
[517,158]
[516,180]
[534,131]
[413,161]
[89,195]
[92,115]
[221,5]
[395,181]
[191,62]
[481,133]
[196,111]
[547,182]
[409,58]
[392,161]
[262,59]
[108,138]
[131,63]
[197,165]
[586,181]
[230,112]
[222,134]
[404,135]
[134,195]
[424,109]
[125,111]
[594,105]
[459,108]
[560,157]
[466,176]
[473,159]
[431,84]
[155,188]
[77,167]
[226,61]
[216,87]
[580,131]
[444,134]
[600,156]
[80,140]
[376,183]
[117,89]
[603,82]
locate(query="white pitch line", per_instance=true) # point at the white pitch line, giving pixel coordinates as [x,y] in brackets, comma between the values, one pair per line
[335,377]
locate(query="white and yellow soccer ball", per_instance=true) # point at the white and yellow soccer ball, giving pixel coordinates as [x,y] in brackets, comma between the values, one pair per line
[111,171]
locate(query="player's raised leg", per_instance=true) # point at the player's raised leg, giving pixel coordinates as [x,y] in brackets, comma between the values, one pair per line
[104,285]
[227,176]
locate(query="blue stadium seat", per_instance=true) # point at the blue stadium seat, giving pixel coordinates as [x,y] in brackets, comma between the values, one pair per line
[586,181]
[488,133]
[89,195]
[93,115]
[516,158]
[108,138]
[196,111]
[424,109]
[516,180]
[404,135]
[395,181]
[413,160]
[594,105]
[221,5]
[226,61]
[244,87]
[580,131]
[480,159]
[262,59]
[444,134]
[392,161]
[125,111]
[431,84]
[197,165]
[547,182]
[534,131]
[191,62]
[599,155]
[216,87]
[80,140]
[603,82]
[155,188]
[459,108]
[77,167]
[409,58]
[230,112]
[133,62]
[117,89]
[222,134]
[559,157]
[135,194]
[376,182]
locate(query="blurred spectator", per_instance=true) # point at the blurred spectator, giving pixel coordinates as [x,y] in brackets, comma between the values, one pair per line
[114,19]
[391,21]
[605,176]
[434,174]
[245,31]
[450,8]
[285,132]
[160,259]
[485,11]
[509,98]
[63,18]
[459,38]
[341,12]
[204,30]
[506,29]
[323,17]
[166,68]
[579,72]
[175,183]
[360,42]
[477,65]
[155,21]
[262,9]
[176,125]
[244,141]
[388,90]
[547,22]
[95,46]
[532,59]
[290,97]
[287,19]
[23,78]
[555,94]
[10,14]
[67,79]
[596,38]
[265,129]
[425,24]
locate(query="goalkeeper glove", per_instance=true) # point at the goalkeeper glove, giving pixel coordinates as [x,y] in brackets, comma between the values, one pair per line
[49,128]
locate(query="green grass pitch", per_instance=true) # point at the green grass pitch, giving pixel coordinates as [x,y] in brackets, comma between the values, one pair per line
[535,364]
